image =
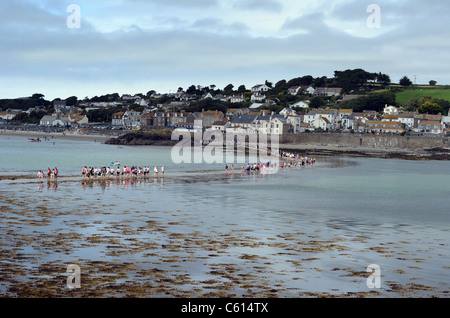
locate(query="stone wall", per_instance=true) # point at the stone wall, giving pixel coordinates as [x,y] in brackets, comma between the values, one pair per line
[367,140]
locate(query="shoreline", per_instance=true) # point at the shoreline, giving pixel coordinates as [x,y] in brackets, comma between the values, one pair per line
[441,154]
[309,150]
[56,135]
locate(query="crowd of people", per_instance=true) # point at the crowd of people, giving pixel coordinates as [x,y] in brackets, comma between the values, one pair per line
[118,172]
[115,170]
[295,161]
[52,174]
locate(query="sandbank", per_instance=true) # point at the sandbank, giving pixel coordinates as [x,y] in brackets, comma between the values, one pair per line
[55,135]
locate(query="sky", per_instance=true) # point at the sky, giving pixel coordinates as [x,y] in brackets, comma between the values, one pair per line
[134,46]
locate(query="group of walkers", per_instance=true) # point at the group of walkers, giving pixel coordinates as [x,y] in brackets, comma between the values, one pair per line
[252,167]
[292,160]
[52,174]
[299,162]
[106,172]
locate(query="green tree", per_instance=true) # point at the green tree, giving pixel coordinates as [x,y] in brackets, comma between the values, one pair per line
[350,80]
[241,89]
[71,101]
[383,79]
[229,88]
[316,102]
[280,85]
[412,104]
[192,90]
[432,83]
[405,81]
[38,95]
[430,108]
[320,81]
[208,104]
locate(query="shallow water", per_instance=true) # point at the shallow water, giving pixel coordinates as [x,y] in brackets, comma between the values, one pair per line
[202,232]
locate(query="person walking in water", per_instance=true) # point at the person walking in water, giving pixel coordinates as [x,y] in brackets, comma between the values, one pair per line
[155,170]
[162,170]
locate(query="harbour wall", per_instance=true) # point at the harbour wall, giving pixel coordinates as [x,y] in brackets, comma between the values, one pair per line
[367,140]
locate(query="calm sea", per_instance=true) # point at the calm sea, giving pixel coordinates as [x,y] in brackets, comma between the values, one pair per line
[312,229]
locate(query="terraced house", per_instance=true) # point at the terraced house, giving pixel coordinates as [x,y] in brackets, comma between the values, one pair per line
[432,127]
[385,127]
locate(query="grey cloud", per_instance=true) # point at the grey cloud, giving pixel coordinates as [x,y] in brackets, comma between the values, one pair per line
[218,25]
[266,5]
[179,3]
[308,23]
[209,50]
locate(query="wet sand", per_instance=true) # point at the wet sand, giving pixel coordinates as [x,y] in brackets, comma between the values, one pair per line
[57,136]
[363,152]
[142,252]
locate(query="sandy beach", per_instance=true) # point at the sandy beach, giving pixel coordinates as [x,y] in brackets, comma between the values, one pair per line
[55,135]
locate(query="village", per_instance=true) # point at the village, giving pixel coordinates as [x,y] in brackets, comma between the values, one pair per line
[136,113]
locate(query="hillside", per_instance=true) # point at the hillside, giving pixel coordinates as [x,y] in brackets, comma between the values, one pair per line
[403,97]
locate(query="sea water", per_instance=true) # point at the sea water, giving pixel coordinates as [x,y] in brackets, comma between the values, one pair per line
[302,230]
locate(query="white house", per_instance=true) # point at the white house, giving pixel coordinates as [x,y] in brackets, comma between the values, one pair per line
[142,102]
[287,111]
[295,122]
[207,95]
[294,90]
[321,122]
[390,110]
[257,97]
[328,91]
[316,115]
[302,104]
[446,120]
[78,119]
[237,98]
[310,116]
[132,119]
[347,122]
[308,90]
[275,125]
[219,125]
[330,115]
[117,119]
[429,126]
[260,88]
[54,121]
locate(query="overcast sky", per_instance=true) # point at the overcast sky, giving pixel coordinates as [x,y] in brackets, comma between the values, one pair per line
[133,46]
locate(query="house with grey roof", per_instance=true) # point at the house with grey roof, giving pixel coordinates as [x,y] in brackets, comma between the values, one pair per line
[52,121]
[328,91]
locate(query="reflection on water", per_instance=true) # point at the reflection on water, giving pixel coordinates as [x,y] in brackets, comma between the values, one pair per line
[128,183]
[198,231]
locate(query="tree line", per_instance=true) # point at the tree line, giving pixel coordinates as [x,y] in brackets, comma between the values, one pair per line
[357,81]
